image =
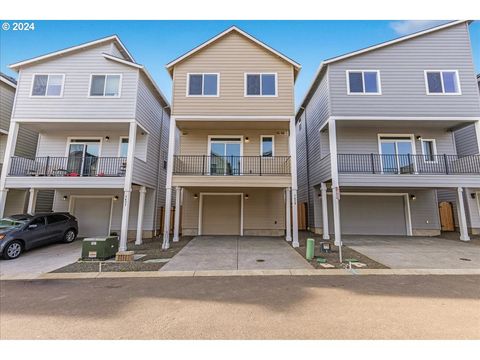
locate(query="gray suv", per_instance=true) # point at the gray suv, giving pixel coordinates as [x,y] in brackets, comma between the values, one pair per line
[24,232]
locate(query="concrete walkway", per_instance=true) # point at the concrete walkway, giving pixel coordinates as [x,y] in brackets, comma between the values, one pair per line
[401,252]
[41,260]
[236,253]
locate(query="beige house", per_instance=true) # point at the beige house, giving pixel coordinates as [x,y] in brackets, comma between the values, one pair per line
[231,158]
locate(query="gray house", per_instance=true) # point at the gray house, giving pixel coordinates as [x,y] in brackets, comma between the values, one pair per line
[103,129]
[375,136]
[16,201]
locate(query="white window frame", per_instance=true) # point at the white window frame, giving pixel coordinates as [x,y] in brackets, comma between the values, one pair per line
[104,87]
[120,144]
[396,136]
[260,74]
[203,84]
[261,145]
[427,91]
[46,90]
[379,82]
[434,148]
[70,138]
[209,148]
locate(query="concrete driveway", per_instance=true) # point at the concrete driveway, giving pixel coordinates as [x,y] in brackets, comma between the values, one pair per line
[42,260]
[401,252]
[236,253]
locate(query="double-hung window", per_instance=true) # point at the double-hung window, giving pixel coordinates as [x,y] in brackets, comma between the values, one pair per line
[50,85]
[429,150]
[261,84]
[442,82]
[105,85]
[203,84]
[363,82]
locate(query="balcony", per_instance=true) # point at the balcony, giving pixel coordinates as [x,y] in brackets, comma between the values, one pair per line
[205,165]
[74,166]
[408,164]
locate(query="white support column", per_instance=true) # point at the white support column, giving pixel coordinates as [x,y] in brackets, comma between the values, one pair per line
[168,186]
[462,219]
[176,228]
[293,164]
[32,200]
[9,151]
[141,208]
[325,229]
[332,140]
[127,189]
[477,130]
[288,215]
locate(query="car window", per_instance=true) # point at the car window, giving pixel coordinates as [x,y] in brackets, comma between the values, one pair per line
[38,221]
[52,219]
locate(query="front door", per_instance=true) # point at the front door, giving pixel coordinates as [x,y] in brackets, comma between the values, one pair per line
[225,156]
[397,156]
[83,157]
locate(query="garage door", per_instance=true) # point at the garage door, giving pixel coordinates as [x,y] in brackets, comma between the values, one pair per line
[93,215]
[221,215]
[372,215]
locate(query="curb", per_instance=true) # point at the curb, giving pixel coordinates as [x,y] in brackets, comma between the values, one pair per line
[217,273]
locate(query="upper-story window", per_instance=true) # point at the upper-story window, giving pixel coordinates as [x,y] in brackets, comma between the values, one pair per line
[123,149]
[48,85]
[364,82]
[266,149]
[261,84]
[203,84]
[442,82]
[105,85]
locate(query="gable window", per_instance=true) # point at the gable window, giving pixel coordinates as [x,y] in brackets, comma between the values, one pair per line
[260,84]
[123,151]
[202,85]
[363,82]
[442,82]
[105,85]
[48,85]
[429,150]
[266,149]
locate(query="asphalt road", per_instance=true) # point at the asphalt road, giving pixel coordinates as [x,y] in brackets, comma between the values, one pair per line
[269,307]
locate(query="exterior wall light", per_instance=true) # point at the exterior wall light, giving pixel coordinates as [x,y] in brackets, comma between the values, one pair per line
[115,198]
[246,196]
[195,196]
[107,138]
[65,197]
[473,195]
[247,139]
[419,137]
[413,197]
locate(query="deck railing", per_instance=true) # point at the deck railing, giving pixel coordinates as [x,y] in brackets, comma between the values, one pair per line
[231,165]
[408,164]
[68,166]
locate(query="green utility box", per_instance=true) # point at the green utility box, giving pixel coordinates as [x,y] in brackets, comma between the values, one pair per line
[99,248]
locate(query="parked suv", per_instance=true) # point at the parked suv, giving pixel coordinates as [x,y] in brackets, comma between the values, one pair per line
[24,232]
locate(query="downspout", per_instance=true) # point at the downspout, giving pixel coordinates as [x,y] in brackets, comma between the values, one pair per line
[307,167]
[155,219]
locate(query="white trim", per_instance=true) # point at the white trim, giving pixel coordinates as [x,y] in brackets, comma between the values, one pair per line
[71,205]
[105,86]
[434,149]
[200,209]
[209,148]
[427,91]
[70,138]
[395,137]
[86,120]
[8,82]
[187,94]
[120,145]
[260,74]
[3,132]
[408,118]
[122,61]
[477,130]
[46,88]
[233,28]
[477,197]
[261,145]
[233,117]
[379,82]
[73,48]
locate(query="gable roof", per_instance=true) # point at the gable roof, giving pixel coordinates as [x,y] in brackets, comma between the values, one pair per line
[8,80]
[170,65]
[324,64]
[112,38]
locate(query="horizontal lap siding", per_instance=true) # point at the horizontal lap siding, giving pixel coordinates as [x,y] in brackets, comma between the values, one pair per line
[7,95]
[466,141]
[232,56]
[402,68]
[75,103]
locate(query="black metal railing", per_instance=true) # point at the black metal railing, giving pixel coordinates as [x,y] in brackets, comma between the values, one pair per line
[231,165]
[68,166]
[408,164]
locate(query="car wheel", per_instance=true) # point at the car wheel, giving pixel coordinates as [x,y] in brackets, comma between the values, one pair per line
[12,250]
[69,236]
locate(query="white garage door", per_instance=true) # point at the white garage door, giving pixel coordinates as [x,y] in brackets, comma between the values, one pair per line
[372,215]
[93,215]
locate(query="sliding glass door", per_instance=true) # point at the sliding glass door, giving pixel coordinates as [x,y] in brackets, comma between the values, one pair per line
[225,156]
[83,157]
[396,155]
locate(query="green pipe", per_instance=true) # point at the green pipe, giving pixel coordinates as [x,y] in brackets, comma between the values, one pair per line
[310,249]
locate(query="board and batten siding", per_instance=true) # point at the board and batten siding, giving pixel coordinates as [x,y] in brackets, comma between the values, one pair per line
[75,102]
[232,56]
[466,141]
[401,67]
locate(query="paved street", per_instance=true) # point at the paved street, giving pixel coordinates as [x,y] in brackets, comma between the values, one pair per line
[269,307]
